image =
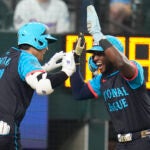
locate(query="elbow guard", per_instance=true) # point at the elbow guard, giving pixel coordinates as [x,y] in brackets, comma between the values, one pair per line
[42,86]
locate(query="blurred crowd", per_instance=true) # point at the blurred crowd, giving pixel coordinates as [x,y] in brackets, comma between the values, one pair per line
[62,16]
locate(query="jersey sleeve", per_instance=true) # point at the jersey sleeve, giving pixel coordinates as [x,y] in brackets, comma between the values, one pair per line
[28,64]
[138,79]
[94,85]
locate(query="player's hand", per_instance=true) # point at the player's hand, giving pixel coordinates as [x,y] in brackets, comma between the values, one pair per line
[4,128]
[93,25]
[80,45]
[53,62]
[68,64]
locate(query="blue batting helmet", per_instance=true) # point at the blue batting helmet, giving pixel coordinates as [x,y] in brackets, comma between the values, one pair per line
[35,34]
[113,40]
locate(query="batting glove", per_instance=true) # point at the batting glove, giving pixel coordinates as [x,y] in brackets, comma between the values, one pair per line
[68,64]
[93,25]
[80,45]
[4,128]
[53,62]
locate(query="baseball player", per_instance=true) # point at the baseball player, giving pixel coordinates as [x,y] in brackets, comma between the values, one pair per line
[21,74]
[53,13]
[121,83]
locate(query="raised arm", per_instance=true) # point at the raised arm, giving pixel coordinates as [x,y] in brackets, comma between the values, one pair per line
[109,45]
[80,89]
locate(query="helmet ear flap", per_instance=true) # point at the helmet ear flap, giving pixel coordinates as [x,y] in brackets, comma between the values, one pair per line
[42,42]
[92,66]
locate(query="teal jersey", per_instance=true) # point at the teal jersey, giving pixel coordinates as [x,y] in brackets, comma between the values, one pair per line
[15,93]
[126,100]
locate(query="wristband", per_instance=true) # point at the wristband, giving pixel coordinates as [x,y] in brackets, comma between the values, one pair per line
[76,59]
[104,43]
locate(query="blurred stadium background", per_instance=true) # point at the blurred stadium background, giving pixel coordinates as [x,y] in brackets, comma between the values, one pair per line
[58,122]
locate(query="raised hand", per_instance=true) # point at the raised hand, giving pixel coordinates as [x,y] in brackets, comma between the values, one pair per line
[53,62]
[68,64]
[93,25]
[80,45]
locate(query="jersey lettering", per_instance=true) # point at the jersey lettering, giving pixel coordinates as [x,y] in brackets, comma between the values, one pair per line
[118,105]
[114,93]
[110,94]
[4,62]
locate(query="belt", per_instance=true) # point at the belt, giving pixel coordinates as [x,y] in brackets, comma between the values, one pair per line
[133,136]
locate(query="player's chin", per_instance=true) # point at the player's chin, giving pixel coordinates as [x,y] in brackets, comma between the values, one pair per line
[40,58]
[102,69]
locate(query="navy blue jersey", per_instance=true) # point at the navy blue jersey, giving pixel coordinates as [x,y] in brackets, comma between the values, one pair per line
[126,100]
[15,93]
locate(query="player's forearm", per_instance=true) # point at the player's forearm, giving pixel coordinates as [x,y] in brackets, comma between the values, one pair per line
[57,79]
[45,84]
[80,89]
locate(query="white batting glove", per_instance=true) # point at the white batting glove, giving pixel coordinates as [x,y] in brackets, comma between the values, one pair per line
[68,64]
[93,25]
[53,62]
[4,128]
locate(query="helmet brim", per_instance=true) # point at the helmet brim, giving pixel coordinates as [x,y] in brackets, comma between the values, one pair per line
[50,39]
[95,48]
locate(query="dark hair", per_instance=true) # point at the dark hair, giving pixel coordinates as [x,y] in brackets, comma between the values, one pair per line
[24,46]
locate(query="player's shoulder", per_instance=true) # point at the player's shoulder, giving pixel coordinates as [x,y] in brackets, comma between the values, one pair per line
[97,77]
[135,63]
[25,55]
[138,66]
